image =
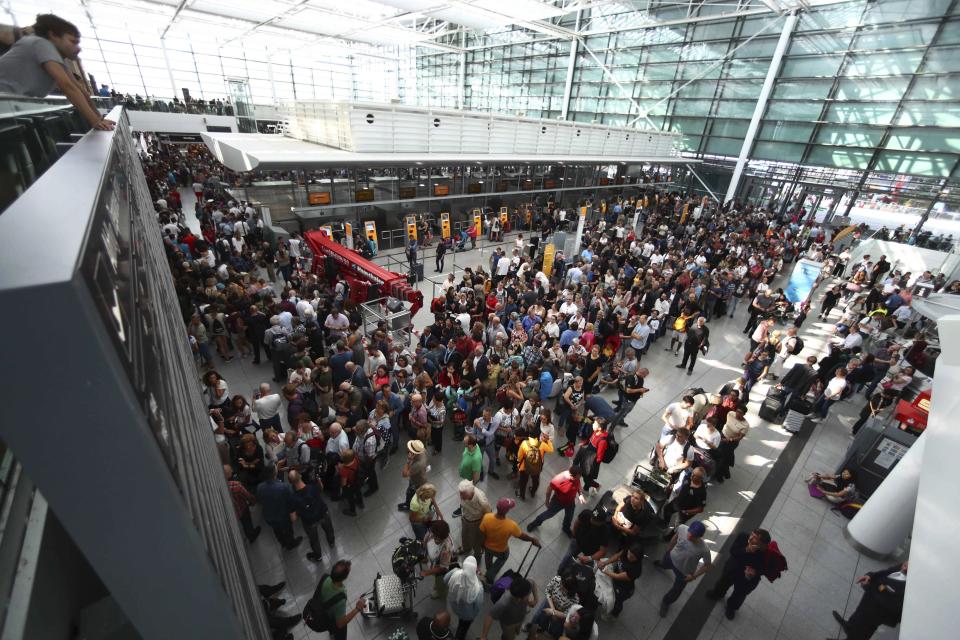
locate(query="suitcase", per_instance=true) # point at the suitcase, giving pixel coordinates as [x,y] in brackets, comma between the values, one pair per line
[389,594]
[416,275]
[503,583]
[803,406]
[770,409]
[794,421]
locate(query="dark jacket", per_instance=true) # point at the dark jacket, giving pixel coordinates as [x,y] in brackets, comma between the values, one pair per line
[800,378]
[887,593]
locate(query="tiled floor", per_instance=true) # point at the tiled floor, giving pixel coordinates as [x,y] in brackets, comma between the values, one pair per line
[796,607]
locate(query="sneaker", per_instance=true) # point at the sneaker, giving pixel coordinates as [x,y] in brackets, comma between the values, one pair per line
[679,366]
[403,506]
[296,543]
[457,512]
[532,526]
[730,614]
[312,557]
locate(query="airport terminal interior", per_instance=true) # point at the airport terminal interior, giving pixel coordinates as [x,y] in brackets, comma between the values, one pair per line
[479,319]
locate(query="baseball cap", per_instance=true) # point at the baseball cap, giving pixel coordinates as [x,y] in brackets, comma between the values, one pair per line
[697,529]
[504,505]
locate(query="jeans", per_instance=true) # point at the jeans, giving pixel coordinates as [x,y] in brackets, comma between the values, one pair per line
[573,549]
[732,305]
[494,561]
[463,627]
[822,405]
[491,451]
[679,581]
[733,575]
[553,509]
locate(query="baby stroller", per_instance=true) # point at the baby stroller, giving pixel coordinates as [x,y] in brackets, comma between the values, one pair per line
[394,596]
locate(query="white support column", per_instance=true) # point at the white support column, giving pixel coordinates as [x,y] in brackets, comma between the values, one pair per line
[581,222]
[462,80]
[166,61]
[772,72]
[887,517]
[928,609]
[571,68]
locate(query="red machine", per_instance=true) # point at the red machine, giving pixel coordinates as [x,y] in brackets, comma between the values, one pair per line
[360,273]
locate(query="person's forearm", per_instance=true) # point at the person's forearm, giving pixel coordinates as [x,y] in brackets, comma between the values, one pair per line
[487,623]
[80,100]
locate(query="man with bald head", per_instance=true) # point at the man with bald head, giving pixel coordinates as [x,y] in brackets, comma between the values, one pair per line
[267,403]
[435,628]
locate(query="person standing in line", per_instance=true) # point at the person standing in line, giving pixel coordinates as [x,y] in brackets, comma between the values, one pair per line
[442,247]
[312,510]
[623,569]
[530,456]
[327,609]
[698,338]
[497,529]
[242,501]
[882,602]
[471,463]
[830,395]
[682,557]
[276,499]
[511,609]
[562,494]
[415,470]
[742,570]
[464,595]
[267,403]
[473,507]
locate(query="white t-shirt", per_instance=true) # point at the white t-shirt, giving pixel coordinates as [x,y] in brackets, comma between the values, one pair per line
[503,266]
[853,340]
[734,426]
[338,323]
[568,308]
[705,438]
[835,387]
[268,406]
[677,415]
[673,454]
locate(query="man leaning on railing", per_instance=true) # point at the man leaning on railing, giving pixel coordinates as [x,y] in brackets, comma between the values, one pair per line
[34,65]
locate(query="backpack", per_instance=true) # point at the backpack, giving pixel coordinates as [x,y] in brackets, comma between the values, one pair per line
[406,558]
[613,447]
[316,613]
[797,346]
[680,324]
[217,325]
[533,460]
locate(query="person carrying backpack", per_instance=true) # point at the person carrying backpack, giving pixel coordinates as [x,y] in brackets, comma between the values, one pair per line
[530,462]
[327,609]
[752,556]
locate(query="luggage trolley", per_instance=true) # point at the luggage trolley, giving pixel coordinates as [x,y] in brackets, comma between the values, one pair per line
[393,596]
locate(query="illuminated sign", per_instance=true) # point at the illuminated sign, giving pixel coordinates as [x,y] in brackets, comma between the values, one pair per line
[318,197]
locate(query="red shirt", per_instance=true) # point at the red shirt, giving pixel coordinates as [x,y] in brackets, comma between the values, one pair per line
[565,488]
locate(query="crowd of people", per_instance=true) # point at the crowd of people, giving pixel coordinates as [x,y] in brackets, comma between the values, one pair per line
[515,369]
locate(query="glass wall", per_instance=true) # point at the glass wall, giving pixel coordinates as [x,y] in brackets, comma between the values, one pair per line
[124,50]
[867,88]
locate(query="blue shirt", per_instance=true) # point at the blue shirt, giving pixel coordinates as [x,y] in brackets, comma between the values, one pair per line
[567,337]
[276,500]
[586,255]
[528,322]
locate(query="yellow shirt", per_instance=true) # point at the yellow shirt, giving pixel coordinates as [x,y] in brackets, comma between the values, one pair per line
[497,532]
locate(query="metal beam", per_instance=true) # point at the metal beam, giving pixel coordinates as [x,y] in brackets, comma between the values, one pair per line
[700,180]
[173,18]
[571,69]
[772,72]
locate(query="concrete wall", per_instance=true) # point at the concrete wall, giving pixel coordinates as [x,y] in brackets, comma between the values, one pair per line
[158,122]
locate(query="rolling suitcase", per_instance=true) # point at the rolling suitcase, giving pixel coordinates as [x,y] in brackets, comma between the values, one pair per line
[794,421]
[771,408]
[389,595]
[803,406]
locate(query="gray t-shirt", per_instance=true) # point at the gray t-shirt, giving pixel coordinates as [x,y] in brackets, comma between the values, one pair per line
[21,68]
[508,610]
[686,554]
